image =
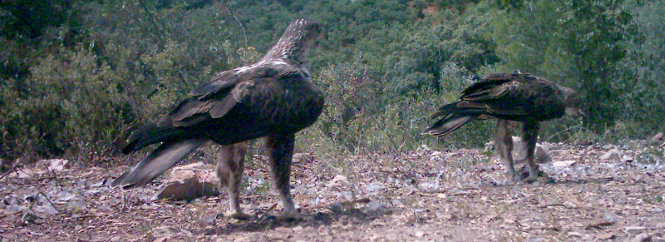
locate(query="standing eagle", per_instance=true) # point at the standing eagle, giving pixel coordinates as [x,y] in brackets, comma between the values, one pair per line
[508,97]
[273,98]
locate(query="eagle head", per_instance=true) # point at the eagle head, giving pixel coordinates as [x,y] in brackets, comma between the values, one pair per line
[573,102]
[296,40]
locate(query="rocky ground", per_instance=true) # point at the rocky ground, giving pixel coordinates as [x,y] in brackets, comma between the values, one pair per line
[602,192]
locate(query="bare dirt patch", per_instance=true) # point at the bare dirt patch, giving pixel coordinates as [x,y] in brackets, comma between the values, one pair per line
[602,192]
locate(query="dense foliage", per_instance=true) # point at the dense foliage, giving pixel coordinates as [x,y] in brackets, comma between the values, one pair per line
[77,76]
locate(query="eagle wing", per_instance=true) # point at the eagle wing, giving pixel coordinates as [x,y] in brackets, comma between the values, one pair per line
[217,97]
[502,95]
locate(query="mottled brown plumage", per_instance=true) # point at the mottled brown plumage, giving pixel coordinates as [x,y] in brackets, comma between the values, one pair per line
[508,97]
[273,98]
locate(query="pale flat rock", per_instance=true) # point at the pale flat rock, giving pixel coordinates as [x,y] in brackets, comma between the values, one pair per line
[565,163]
[339,181]
[634,229]
[57,164]
[611,155]
[189,182]
[168,232]
[436,156]
[188,190]
[658,137]
[374,187]
[203,172]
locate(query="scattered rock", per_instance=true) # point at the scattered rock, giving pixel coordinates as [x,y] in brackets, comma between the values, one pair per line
[339,181]
[643,237]
[658,137]
[611,155]
[627,158]
[436,156]
[203,172]
[167,232]
[596,224]
[610,217]
[188,190]
[427,186]
[606,236]
[374,187]
[55,164]
[189,182]
[634,229]
[45,208]
[210,220]
[76,205]
[337,208]
[374,207]
[536,239]
[565,163]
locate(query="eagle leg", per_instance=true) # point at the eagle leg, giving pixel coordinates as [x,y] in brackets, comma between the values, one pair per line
[530,136]
[280,149]
[504,144]
[230,164]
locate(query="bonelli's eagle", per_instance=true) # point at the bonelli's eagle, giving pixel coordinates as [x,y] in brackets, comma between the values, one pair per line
[520,97]
[273,98]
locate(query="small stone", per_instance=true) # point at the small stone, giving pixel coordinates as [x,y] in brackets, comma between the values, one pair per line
[536,239]
[76,205]
[336,208]
[627,158]
[188,190]
[374,206]
[634,229]
[574,234]
[610,217]
[606,236]
[658,137]
[374,187]
[170,232]
[58,164]
[429,186]
[643,237]
[565,163]
[596,224]
[210,220]
[611,155]
[339,181]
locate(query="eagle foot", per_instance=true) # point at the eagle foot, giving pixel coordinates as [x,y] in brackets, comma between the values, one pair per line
[289,215]
[524,176]
[238,215]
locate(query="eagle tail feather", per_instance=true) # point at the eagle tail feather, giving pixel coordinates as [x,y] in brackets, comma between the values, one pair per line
[160,160]
[150,135]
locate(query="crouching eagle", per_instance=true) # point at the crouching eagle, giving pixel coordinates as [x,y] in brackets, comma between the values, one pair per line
[273,98]
[508,97]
